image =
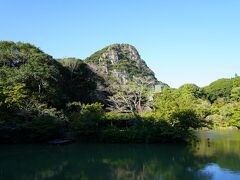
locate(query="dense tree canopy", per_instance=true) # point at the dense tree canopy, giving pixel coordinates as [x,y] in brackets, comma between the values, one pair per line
[219,89]
[81,81]
[42,98]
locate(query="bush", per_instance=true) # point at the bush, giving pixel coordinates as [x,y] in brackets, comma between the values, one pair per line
[73,106]
[38,123]
[143,131]
[119,116]
[85,123]
[186,119]
[43,128]
[37,129]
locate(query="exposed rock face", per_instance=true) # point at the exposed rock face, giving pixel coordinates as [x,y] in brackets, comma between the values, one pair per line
[121,63]
[115,53]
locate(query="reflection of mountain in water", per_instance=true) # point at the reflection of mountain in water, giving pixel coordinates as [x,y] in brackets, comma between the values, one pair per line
[102,161]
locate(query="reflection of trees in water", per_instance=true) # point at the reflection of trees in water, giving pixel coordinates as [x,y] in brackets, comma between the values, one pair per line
[164,162]
[225,152]
[101,162]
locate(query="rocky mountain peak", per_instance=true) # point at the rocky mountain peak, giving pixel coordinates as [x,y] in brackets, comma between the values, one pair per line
[122,63]
[115,53]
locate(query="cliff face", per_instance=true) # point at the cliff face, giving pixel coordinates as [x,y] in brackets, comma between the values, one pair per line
[121,63]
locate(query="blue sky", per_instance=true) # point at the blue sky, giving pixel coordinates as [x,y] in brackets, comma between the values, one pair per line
[183,41]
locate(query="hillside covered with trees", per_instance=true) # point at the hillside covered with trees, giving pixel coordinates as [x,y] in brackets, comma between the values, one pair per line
[111,96]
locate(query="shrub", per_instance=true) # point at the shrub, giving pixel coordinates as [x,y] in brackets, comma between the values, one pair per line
[186,119]
[43,128]
[73,106]
[85,123]
[119,116]
[37,129]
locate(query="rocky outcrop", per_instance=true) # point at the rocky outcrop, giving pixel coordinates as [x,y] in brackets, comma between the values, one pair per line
[115,53]
[121,63]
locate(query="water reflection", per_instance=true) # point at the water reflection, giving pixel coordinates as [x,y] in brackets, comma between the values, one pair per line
[220,160]
[217,172]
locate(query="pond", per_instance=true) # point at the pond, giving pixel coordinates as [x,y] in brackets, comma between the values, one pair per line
[216,156]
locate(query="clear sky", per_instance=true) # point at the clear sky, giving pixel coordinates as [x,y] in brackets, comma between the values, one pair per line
[182,41]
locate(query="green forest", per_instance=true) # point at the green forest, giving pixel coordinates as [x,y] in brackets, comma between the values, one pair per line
[112,96]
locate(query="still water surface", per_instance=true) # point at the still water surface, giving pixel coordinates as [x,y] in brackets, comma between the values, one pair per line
[216,156]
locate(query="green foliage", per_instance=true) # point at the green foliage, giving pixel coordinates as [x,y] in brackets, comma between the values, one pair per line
[219,89]
[43,128]
[184,98]
[186,119]
[143,131]
[119,116]
[235,94]
[91,124]
[41,98]
[94,58]
[73,106]
[1,99]
[235,119]
[38,125]
[85,123]
[42,79]
[14,54]
[38,129]
[38,71]
[15,95]
[236,82]
[30,83]
[81,82]
[192,89]
[165,103]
